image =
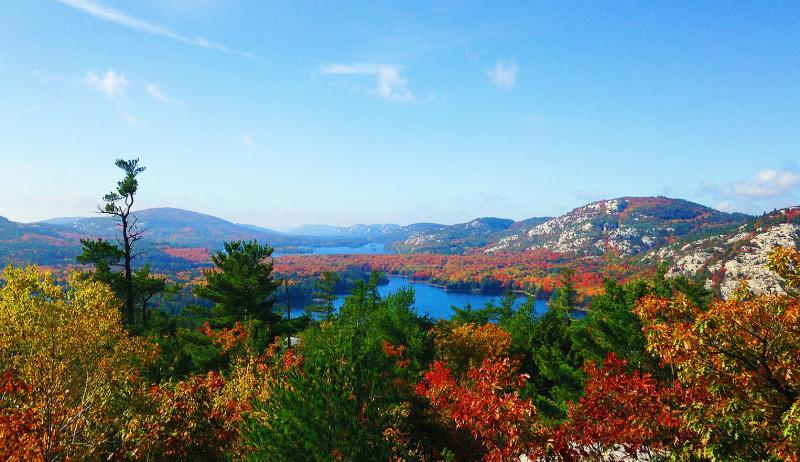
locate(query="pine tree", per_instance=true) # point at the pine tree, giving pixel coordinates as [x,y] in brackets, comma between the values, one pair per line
[241,286]
[325,295]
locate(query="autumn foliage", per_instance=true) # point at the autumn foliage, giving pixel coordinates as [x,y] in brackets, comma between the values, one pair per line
[465,346]
[744,355]
[623,416]
[487,405]
[699,379]
[190,420]
[529,270]
[74,358]
[20,439]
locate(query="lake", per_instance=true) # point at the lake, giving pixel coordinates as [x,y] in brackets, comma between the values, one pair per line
[437,302]
[371,248]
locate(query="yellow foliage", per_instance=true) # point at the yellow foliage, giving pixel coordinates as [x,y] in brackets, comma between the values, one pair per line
[742,359]
[67,344]
[464,346]
[786,262]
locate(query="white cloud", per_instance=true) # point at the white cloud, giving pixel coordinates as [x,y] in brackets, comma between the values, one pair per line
[105,13]
[389,83]
[768,183]
[767,190]
[503,75]
[158,94]
[110,83]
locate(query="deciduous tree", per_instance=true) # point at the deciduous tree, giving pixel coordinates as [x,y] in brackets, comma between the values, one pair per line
[744,353]
[77,362]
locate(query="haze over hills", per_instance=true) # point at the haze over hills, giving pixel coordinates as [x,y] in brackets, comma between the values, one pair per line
[168,225]
[383,233]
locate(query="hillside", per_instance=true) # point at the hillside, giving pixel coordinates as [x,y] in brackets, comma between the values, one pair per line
[723,259]
[454,239]
[185,228]
[174,238]
[22,243]
[626,226]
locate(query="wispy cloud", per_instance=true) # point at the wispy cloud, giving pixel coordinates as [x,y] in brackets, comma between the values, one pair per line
[503,75]
[156,92]
[41,78]
[767,190]
[130,118]
[110,83]
[106,13]
[389,82]
[248,142]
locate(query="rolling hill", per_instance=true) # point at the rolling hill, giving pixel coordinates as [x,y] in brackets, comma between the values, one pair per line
[455,239]
[626,226]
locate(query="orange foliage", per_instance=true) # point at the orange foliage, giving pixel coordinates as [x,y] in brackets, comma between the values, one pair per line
[19,432]
[487,405]
[225,338]
[744,353]
[466,346]
[192,254]
[191,420]
[521,271]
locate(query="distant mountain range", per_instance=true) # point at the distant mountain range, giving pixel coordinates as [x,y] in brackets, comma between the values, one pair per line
[175,227]
[692,239]
[57,241]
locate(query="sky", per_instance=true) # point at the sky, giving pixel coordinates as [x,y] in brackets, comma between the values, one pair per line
[281,113]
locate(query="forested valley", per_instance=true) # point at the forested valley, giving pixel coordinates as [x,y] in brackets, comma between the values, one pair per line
[660,367]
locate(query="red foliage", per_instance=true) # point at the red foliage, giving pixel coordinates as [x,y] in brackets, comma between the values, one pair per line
[19,433]
[225,338]
[191,420]
[192,254]
[519,270]
[488,406]
[396,352]
[622,416]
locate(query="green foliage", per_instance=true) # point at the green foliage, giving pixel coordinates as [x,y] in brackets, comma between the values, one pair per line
[126,188]
[107,260]
[339,402]
[324,295]
[241,286]
[611,326]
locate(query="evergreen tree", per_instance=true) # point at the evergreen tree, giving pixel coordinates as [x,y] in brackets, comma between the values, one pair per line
[105,257]
[241,286]
[146,286]
[324,295]
[103,254]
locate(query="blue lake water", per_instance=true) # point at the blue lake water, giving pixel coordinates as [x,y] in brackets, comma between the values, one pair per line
[437,302]
[372,248]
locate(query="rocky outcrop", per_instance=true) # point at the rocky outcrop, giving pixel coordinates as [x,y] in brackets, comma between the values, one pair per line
[626,226]
[741,254]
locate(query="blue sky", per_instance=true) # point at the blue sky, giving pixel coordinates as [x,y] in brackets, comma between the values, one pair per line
[283,113]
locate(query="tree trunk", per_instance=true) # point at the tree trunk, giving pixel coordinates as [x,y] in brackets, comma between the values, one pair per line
[129,308]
